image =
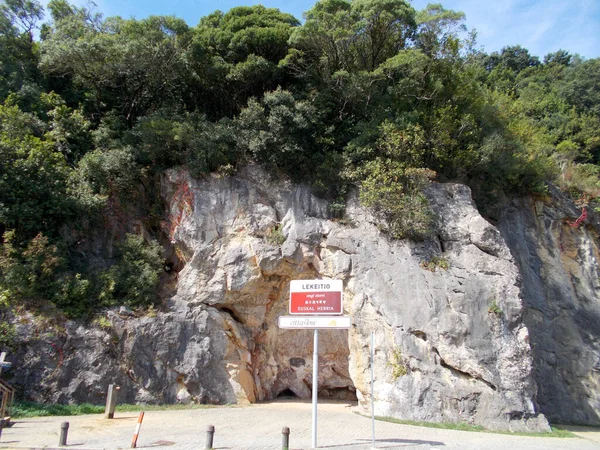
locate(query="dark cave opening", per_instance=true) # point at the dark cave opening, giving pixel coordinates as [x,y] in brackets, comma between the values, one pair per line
[287,393]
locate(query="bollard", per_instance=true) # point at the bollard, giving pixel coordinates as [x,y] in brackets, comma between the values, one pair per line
[285,440]
[210,434]
[64,430]
[111,401]
[137,430]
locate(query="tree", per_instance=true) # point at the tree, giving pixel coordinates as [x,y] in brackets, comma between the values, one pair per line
[236,55]
[339,35]
[132,66]
[437,30]
[33,177]
[582,86]
[18,58]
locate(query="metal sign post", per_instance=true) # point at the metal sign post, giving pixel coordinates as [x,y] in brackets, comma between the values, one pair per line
[320,302]
[315,387]
[373,388]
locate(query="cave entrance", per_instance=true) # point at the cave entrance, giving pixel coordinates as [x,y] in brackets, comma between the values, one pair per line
[287,394]
[347,393]
[287,370]
[294,378]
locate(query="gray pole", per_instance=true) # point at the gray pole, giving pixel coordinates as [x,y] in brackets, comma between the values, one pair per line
[315,387]
[210,434]
[64,430]
[111,402]
[373,387]
[285,438]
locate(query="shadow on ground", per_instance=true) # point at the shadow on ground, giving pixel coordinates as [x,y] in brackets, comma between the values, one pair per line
[394,443]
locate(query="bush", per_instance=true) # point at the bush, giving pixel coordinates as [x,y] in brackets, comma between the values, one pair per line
[28,273]
[394,193]
[437,262]
[133,280]
[8,333]
[275,236]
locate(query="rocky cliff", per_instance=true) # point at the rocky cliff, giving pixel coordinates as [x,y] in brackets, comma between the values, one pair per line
[559,263]
[451,335]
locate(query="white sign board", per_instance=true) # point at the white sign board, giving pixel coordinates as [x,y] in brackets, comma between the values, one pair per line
[315,322]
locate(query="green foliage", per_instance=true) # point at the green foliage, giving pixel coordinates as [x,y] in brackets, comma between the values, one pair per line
[74,294]
[69,130]
[339,35]
[8,333]
[364,92]
[394,193]
[28,273]
[554,433]
[23,409]
[103,322]
[437,262]
[493,308]
[133,279]
[18,55]
[397,364]
[275,236]
[165,139]
[285,134]
[33,176]
[101,174]
[32,409]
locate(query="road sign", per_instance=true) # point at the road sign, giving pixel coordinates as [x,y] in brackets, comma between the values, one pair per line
[314,322]
[319,297]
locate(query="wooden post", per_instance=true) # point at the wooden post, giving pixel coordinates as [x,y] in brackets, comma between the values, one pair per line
[111,402]
[137,430]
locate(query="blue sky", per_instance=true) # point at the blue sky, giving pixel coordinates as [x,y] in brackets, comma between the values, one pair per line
[541,26]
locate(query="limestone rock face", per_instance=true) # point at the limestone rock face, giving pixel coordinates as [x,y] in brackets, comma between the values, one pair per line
[561,291]
[175,357]
[451,344]
[447,313]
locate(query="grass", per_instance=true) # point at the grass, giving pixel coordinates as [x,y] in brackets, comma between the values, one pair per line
[32,409]
[556,432]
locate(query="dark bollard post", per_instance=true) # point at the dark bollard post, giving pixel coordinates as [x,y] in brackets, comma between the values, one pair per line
[210,434]
[285,440]
[64,430]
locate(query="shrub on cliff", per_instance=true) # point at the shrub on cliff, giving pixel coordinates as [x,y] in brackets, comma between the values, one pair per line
[395,194]
[133,280]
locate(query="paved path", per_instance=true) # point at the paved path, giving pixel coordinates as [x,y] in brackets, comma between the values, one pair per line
[258,427]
